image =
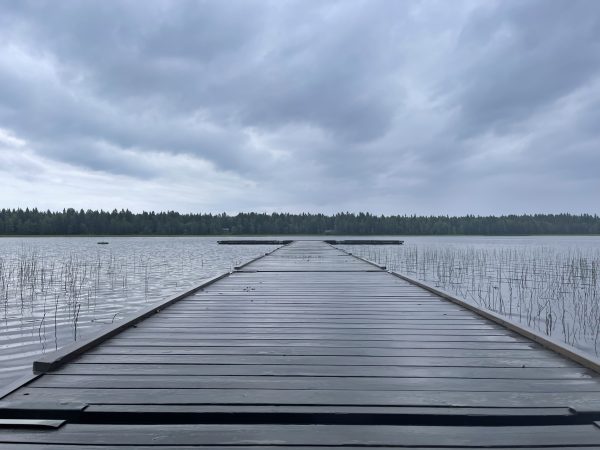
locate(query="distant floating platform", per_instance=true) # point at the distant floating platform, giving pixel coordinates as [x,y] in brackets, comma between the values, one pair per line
[328,241]
[365,242]
[254,242]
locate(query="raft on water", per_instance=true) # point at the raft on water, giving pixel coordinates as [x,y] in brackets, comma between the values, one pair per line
[254,242]
[364,242]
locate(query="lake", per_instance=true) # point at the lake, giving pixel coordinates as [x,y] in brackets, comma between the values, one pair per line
[54,290]
[549,283]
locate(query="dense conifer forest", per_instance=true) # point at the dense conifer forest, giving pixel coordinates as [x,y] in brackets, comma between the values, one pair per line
[72,222]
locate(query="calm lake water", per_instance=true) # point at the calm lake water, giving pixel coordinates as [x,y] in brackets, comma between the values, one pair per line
[549,283]
[55,290]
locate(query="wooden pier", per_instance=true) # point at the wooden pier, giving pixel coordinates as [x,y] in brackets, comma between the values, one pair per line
[306,347]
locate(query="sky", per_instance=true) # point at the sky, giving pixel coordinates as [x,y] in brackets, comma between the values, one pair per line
[391,107]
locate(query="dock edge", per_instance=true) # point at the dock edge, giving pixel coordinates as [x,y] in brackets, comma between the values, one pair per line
[562,348]
[548,342]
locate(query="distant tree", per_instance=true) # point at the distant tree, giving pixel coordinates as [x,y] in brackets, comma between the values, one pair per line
[72,222]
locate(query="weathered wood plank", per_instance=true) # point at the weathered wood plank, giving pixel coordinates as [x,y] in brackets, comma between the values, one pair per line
[165,337]
[312,397]
[320,331]
[319,351]
[325,343]
[326,370]
[313,435]
[516,362]
[36,446]
[315,383]
[331,325]
[337,409]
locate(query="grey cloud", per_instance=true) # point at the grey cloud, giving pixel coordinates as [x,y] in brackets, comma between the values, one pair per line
[206,56]
[384,104]
[523,55]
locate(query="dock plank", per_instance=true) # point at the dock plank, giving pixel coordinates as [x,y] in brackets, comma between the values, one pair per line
[325,370]
[313,435]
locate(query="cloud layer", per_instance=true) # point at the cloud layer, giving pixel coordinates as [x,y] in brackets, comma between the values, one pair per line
[423,107]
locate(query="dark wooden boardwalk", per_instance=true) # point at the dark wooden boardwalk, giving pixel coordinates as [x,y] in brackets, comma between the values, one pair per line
[309,347]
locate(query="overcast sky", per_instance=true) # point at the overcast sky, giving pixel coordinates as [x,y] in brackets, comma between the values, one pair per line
[395,107]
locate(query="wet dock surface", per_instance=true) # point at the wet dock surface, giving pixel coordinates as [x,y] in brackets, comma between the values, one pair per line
[309,347]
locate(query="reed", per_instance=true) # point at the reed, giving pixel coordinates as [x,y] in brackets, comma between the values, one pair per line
[555,291]
[53,294]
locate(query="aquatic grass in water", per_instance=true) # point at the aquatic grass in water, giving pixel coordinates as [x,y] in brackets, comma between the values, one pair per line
[54,291]
[553,289]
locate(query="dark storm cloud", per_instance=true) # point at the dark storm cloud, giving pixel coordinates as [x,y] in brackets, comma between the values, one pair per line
[383,105]
[199,58]
[523,56]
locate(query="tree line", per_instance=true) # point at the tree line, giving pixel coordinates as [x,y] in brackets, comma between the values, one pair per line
[124,222]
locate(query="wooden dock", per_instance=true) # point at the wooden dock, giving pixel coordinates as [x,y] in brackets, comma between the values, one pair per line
[306,347]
